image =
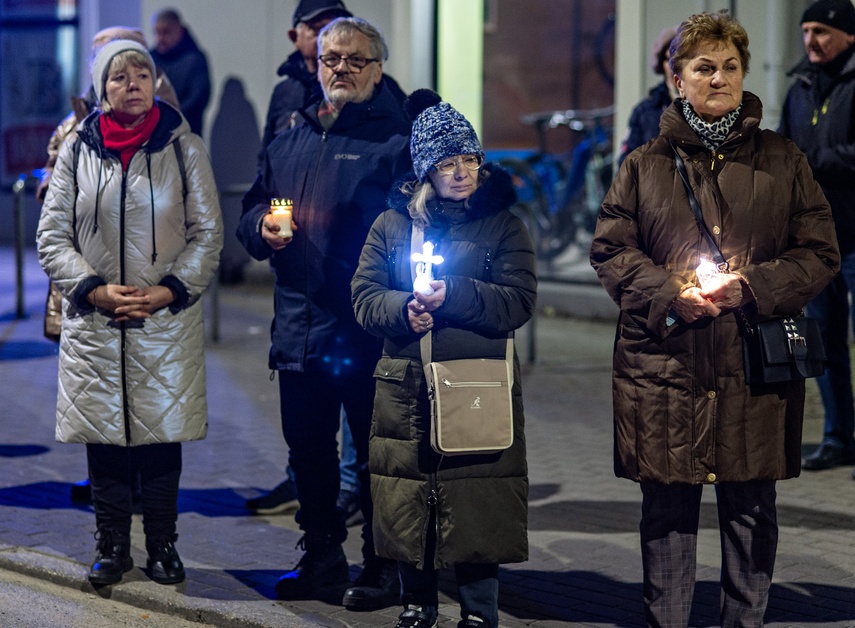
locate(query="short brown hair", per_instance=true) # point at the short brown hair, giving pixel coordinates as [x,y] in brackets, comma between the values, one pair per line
[703,28]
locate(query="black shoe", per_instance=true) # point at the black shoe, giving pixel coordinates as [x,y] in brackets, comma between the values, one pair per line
[164,563]
[826,457]
[376,587]
[112,557]
[321,566]
[81,493]
[281,499]
[415,617]
[348,504]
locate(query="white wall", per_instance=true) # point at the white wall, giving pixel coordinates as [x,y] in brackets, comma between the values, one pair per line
[249,40]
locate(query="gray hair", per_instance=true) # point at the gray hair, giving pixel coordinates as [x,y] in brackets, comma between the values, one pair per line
[347,26]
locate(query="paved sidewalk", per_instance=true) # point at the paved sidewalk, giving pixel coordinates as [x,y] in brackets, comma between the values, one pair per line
[585,567]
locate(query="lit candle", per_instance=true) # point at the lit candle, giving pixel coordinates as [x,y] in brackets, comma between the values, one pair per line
[280,213]
[706,272]
[424,268]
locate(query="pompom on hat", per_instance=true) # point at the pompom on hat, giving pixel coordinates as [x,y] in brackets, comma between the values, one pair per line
[839,14]
[104,56]
[439,132]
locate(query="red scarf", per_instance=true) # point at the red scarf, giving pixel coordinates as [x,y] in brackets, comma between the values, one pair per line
[128,141]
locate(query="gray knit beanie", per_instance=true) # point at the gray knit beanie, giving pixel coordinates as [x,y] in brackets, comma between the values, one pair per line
[439,132]
[105,54]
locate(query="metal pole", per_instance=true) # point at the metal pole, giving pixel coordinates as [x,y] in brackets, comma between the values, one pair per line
[18,188]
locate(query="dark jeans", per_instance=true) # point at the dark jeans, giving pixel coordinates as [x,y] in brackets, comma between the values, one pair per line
[748,527]
[113,470]
[311,405]
[831,309]
[477,586]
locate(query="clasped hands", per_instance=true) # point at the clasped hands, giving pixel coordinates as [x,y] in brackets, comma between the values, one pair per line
[420,309]
[725,293]
[130,302]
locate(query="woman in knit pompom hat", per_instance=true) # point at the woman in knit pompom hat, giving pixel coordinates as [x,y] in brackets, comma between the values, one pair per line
[466,512]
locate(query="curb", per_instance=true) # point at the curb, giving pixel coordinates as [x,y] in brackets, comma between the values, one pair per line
[141,593]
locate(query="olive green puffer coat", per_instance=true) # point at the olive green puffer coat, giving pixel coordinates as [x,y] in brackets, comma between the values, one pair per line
[479,502]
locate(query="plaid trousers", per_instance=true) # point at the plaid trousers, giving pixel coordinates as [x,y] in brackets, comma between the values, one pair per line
[748,527]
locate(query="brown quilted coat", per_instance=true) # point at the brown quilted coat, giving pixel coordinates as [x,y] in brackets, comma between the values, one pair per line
[682,409]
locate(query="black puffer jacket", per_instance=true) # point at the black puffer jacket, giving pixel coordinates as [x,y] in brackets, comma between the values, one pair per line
[822,124]
[481,501]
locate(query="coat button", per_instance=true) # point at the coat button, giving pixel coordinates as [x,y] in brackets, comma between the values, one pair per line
[711,477]
[716,230]
[711,394]
[386,373]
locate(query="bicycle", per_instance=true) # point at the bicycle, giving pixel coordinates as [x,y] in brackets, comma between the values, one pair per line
[560,195]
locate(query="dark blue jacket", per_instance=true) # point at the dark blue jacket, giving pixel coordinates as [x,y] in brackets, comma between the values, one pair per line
[822,125]
[644,120]
[338,181]
[187,69]
[298,88]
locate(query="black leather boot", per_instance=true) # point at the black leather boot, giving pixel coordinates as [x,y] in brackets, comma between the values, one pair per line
[164,563]
[323,565]
[377,586]
[112,557]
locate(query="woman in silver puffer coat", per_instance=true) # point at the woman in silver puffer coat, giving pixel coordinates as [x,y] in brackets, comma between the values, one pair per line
[131,233]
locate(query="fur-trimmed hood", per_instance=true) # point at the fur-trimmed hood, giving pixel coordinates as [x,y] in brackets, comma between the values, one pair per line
[494,194]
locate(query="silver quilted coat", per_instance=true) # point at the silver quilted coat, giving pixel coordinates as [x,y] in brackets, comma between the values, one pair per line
[140,382]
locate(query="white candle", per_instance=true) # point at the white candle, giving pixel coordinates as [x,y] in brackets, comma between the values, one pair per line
[280,213]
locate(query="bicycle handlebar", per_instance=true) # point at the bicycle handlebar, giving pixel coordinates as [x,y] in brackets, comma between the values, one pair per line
[575,119]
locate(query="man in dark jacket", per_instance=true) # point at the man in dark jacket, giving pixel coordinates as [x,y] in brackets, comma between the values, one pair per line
[336,167]
[185,65]
[300,69]
[818,117]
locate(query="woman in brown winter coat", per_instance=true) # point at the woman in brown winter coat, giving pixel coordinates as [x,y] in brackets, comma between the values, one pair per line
[684,414]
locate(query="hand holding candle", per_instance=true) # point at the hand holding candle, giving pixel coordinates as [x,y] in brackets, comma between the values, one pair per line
[424,268]
[281,211]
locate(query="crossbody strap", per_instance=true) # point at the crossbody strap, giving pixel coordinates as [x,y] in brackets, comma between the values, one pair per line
[720,261]
[417,240]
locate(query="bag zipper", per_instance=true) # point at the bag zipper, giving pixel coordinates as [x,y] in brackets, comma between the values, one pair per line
[449,384]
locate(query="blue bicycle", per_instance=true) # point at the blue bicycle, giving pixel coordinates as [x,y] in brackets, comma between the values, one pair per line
[560,195]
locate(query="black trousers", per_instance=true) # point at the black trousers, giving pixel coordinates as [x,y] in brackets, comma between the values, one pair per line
[310,406]
[113,472]
[748,526]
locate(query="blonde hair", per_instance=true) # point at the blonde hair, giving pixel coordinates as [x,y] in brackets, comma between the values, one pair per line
[422,193]
[120,62]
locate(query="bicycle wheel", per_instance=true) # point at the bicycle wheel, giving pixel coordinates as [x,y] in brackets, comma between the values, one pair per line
[532,205]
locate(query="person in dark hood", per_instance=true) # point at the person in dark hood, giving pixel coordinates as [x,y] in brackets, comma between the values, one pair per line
[186,65]
[817,116]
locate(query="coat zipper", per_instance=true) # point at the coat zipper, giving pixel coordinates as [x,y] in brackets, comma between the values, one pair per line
[391,260]
[432,501]
[122,326]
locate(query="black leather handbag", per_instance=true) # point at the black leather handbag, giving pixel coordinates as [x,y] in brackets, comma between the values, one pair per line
[781,349]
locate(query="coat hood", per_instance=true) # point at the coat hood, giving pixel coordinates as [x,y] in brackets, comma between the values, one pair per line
[495,194]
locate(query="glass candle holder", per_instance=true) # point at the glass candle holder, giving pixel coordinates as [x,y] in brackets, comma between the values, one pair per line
[281,211]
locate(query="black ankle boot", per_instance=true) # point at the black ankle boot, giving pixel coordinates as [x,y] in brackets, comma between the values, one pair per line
[112,557]
[323,565]
[164,563]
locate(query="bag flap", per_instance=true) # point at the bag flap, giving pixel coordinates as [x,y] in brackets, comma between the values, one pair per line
[776,346]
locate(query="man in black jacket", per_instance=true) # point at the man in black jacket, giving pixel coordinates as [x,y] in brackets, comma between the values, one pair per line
[818,117]
[184,63]
[336,167]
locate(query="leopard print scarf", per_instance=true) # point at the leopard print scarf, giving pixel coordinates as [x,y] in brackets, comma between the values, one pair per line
[712,134]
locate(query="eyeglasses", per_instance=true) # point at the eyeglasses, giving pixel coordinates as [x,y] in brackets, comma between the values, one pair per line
[354,62]
[447,167]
